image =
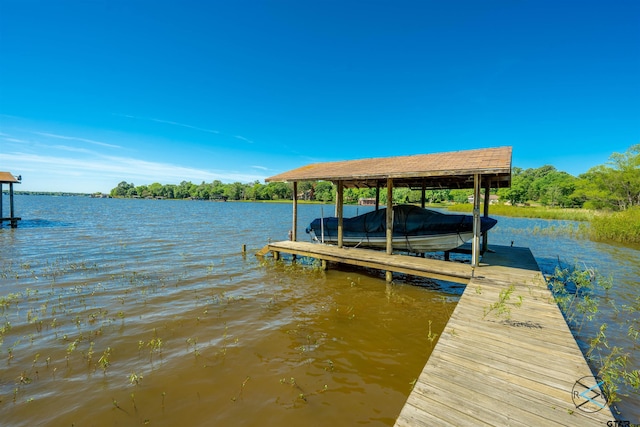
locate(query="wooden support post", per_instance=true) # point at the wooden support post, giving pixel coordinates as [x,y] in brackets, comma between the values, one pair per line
[389,216]
[424,191]
[475,245]
[389,274]
[11,200]
[14,220]
[377,195]
[323,264]
[276,255]
[487,200]
[339,208]
[1,215]
[294,230]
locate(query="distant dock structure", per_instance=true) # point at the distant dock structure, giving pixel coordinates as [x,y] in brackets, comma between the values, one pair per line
[367,201]
[8,178]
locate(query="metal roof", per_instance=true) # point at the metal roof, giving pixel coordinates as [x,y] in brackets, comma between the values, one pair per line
[7,177]
[440,170]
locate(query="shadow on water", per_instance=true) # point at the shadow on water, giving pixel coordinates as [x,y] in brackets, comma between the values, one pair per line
[451,289]
[42,223]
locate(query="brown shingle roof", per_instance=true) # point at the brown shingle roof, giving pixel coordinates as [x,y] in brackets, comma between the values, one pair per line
[440,170]
[7,177]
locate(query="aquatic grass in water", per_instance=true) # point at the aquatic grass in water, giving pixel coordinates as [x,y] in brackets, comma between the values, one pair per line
[621,227]
[531,212]
[93,338]
[579,292]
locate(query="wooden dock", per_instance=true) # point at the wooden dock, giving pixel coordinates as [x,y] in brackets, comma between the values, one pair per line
[505,358]
[517,368]
[417,266]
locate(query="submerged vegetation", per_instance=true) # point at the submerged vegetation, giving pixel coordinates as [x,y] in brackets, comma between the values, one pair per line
[602,226]
[580,292]
[134,345]
[532,212]
[621,226]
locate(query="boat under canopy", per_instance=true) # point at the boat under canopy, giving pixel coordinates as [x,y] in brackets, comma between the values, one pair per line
[414,229]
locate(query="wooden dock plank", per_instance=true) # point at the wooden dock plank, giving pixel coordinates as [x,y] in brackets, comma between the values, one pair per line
[495,368]
[425,267]
[481,401]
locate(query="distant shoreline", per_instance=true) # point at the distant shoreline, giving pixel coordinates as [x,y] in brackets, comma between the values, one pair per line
[47,193]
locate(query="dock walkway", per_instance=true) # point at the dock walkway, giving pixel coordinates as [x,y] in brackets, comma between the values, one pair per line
[515,368]
[505,358]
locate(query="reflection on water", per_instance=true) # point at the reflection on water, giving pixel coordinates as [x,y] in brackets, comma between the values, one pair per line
[138,311]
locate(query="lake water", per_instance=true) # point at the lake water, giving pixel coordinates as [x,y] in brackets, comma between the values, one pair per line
[146,312]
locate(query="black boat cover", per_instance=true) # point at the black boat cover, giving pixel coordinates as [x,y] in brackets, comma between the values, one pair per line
[408,220]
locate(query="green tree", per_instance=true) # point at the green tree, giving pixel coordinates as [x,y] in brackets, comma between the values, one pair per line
[533,180]
[254,191]
[169,191]
[555,189]
[234,191]
[142,191]
[155,189]
[401,195]
[122,189]
[216,189]
[460,196]
[182,191]
[203,191]
[324,191]
[615,185]
[305,190]
[518,191]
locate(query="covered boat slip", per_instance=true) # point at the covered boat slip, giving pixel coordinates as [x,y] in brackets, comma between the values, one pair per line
[471,169]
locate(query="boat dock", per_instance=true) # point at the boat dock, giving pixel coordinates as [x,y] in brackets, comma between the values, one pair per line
[8,178]
[506,355]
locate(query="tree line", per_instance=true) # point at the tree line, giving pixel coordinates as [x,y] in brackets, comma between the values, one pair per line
[614,185]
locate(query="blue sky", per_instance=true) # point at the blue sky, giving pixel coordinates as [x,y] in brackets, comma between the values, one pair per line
[96,92]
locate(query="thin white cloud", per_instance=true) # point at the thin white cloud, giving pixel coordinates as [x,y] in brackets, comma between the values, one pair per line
[21,141]
[169,122]
[74,138]
[242,138]
[72,149]
[118,168]
[184,125]
[260,167]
